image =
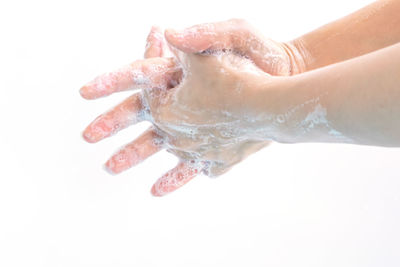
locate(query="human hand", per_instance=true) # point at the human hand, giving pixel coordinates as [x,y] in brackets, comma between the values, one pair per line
[157,46]
[131,111]
[209,142]
[238,36]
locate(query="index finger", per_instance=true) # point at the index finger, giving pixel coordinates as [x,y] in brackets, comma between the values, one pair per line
[152,72]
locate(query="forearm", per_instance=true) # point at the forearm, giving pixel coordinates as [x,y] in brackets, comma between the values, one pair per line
[374,27]
[356,101]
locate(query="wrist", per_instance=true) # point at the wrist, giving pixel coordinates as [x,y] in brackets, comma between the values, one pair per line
[299,55]
[306,110]
[273,113]
[290,110]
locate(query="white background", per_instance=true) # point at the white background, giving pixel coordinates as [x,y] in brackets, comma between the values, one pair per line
[288,205]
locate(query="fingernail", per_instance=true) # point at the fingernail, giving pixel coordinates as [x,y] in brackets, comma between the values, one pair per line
[122,160]
[157,192]
[88,137]
[155,28]
[95,132]
[84,92]
[174,33]
[115,166]
[153,191]
[106,167]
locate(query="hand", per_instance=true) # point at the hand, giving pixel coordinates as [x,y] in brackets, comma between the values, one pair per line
[130,112]
[238,36]
[217,137]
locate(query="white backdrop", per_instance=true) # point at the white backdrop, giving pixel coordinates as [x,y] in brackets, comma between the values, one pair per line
[288,205]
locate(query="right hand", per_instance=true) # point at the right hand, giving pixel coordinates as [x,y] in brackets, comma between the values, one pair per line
[195,103]
[238,36]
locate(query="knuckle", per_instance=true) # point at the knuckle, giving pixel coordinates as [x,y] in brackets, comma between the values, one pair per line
[158,118]
[239,23]
[145,68]
[240,31]
[215,169]
[183,154]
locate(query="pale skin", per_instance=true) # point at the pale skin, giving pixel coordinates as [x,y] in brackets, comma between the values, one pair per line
[339,83]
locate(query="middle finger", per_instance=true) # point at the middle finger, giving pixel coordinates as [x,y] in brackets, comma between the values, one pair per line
[121,116]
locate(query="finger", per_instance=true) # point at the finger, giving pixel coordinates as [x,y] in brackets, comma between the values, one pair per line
[155,43]
[215,36]
[153,72]
[147,144]
[129,112]
[175,178]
